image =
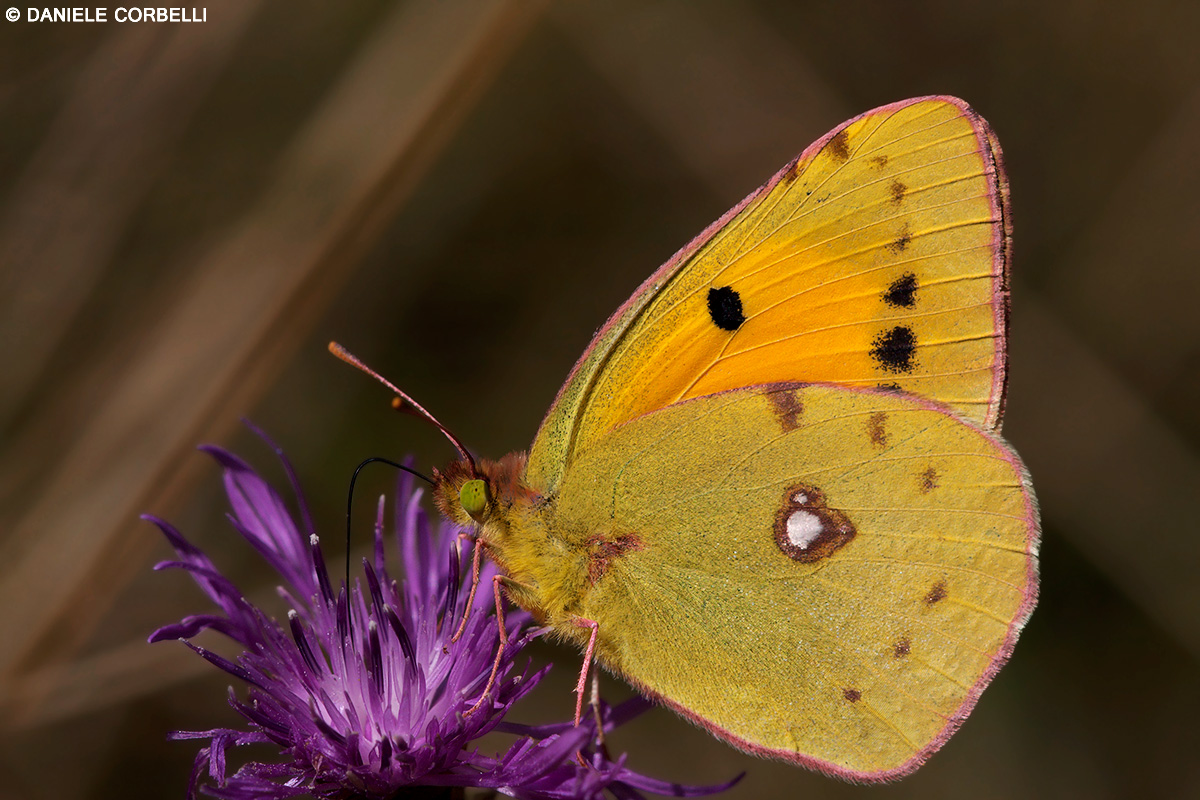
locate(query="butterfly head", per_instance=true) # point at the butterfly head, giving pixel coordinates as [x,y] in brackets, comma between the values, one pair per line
[477,494]
[461,494]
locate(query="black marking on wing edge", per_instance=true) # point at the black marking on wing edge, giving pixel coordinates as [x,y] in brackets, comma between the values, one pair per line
[903,292]
[725,308]
[893,350]
[901,242]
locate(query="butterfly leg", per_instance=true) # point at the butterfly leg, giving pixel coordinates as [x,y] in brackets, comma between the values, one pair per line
[491,681]
[594,702]
[601,746]
[462,626]
[587,662]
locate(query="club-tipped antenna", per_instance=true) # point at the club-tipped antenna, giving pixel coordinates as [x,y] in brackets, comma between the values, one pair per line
[352,360]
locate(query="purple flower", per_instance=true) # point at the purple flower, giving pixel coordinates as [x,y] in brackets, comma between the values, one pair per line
[362,691]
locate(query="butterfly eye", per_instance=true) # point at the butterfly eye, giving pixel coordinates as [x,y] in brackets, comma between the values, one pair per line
[474,498]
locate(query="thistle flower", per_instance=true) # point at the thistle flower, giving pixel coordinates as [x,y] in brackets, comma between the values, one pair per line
[363,691]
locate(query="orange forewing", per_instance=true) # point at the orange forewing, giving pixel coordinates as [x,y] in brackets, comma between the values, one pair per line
[877,258]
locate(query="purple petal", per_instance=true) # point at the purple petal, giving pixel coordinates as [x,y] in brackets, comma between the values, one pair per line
[362,707]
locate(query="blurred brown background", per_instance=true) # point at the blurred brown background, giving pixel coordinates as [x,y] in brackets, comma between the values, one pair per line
[461,191]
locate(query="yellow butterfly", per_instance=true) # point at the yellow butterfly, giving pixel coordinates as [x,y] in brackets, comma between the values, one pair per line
[771,493]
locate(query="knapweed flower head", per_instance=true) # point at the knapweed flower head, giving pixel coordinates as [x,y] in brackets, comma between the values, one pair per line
[362,689]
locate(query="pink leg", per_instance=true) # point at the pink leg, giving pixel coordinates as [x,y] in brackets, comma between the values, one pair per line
[462,626]
[491,681]
[587,662]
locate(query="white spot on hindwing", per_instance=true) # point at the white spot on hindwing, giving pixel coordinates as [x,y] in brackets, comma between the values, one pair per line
[802,527]
[807,529]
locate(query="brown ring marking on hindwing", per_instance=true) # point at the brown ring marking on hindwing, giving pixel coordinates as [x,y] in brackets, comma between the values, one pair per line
[806,529]
[902,648]
[852,694]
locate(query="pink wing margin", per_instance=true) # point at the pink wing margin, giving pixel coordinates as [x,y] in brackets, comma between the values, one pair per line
[989,147]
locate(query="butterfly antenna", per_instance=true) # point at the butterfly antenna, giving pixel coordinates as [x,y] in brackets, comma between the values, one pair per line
[350,500]
[352,360]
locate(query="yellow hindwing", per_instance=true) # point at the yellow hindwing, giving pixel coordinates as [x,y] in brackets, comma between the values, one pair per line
[857,653]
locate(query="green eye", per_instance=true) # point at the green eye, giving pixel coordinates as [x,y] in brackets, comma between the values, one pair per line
[474,498]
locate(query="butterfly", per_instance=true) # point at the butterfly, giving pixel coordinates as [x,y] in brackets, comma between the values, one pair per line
[772,493]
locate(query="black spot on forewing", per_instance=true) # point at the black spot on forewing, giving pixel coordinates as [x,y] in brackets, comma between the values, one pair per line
[725,308]
[900,243]
[893,349]
[903,291]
